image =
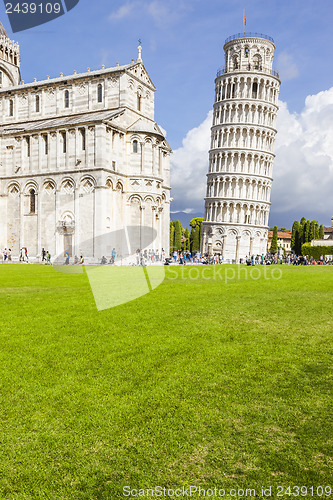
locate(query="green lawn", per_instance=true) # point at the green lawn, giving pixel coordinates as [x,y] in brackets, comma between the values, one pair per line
[200,382]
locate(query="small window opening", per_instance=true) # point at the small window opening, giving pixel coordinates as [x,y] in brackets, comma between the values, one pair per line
[99,92]
[32,195]
[46,144]
[64,142]
[66,99]
[83,138]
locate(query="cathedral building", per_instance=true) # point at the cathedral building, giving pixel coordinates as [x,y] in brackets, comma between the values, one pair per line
[241,157]
[84,168]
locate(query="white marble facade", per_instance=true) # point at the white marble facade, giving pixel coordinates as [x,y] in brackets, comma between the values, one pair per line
[241,157]
[83,167]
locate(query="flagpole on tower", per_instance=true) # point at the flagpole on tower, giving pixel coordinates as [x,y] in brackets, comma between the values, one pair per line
[244,22]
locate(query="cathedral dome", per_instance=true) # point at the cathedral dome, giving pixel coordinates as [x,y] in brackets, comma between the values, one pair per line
[3,32]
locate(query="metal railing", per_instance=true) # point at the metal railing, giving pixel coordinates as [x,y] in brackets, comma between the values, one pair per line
[249,67]
[249,35]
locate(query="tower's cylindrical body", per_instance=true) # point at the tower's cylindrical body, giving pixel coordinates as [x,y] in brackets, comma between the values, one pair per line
[241,157]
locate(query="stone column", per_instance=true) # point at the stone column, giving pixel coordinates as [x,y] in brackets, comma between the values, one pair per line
[251,245]
[237,248]
[224,239]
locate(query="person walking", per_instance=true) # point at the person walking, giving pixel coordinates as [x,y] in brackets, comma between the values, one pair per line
[26,255]
[48,257]
[113,255]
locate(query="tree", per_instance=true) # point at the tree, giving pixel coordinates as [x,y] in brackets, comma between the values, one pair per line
[312,230]
[172,236]
[316,230]
[296,238]
[187,242]
[321,232]
[195,239]
[274,242]
[306,231]
[178,235]
[196,225]
[197,221]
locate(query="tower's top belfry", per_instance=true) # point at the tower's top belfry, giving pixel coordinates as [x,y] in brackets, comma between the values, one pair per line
[9,60]
[253,52]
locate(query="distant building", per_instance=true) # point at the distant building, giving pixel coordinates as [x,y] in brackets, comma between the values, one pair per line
[284,240]
[328,231]
[81,157]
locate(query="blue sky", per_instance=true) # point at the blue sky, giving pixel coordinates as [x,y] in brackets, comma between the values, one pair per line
[182,48]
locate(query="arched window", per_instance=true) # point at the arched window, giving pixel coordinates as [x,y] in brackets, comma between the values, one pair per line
[139,102]
[246,52]
[254,89]
[135,146]
[0,77]
[99,92]
[37,103]
[66,99]
[32,196]
[257,62]
[11,107]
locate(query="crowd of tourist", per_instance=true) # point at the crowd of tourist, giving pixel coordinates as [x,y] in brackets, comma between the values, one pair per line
[151,257]
[184,258]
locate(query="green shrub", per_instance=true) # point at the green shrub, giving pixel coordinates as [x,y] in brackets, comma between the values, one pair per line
[316,251]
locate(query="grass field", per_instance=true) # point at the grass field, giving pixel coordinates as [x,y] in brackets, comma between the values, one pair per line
[200,382]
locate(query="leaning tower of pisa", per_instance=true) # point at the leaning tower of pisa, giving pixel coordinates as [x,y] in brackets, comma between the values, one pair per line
[241,157]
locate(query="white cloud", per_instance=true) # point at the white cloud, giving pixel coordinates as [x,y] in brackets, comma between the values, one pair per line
[123,11]
[287,66]
[189,165]
[186,211]
[162,13]
[303,168]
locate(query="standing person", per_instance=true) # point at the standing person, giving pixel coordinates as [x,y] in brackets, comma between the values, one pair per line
[113,255]
[66,258]
[48,257]
[43,254]
[26,255]
[5,254]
